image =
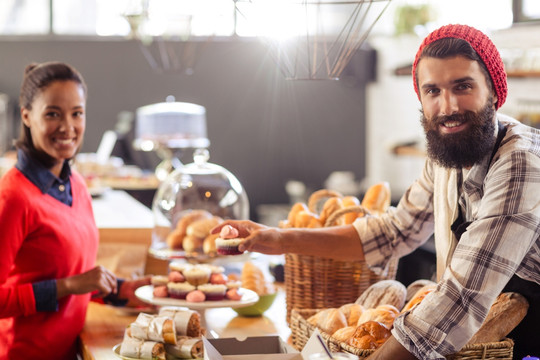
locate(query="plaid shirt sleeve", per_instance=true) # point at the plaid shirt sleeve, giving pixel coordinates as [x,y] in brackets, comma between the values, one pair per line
[502,240]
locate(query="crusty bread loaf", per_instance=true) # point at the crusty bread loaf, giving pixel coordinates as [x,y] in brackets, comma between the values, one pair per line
[390,292]
[504,315]
[347,201]
[329,320]
[307,219]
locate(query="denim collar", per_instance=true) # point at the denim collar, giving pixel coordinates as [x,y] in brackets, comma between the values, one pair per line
[38,174]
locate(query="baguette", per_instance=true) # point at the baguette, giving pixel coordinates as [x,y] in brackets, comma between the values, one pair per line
[504,315]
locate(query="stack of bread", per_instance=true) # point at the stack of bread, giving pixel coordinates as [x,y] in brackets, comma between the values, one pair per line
[174,333]
[192,233]
[366,324]
[330,208]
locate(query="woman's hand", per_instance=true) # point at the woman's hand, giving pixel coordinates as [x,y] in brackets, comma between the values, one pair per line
[127,290]
[97,279]
[257,237]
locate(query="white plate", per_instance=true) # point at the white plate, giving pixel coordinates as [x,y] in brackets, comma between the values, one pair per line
[146,294]
[116,350]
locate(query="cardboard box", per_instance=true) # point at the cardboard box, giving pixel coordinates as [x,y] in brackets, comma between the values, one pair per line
[252,348]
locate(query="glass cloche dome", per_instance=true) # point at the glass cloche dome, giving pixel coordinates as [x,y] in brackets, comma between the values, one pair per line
[189,203]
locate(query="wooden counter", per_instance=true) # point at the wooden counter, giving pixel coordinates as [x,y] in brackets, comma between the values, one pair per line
[105,326]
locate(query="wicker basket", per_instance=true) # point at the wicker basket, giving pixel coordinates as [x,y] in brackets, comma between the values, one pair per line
[317,283]
[302,331]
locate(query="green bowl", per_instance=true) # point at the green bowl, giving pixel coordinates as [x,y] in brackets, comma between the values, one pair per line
[257,309]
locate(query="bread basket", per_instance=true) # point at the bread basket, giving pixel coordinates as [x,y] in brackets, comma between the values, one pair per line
[315,282]
[301,331]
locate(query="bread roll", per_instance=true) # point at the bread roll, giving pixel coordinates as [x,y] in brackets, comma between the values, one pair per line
[369,335]
[192,243]
[352,312]
[331,205]
[504,315]
[201,228]
[419,296]
[209,244]
[186,348]
[307,219]
[295,209]
[383,292]
[377,198]
[329,320]
[175,238]
[349,218]
[381,315]
[344,334]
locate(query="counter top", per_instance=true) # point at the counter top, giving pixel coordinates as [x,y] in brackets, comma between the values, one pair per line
[105,326]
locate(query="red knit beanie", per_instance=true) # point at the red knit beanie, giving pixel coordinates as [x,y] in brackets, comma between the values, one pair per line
[482,45]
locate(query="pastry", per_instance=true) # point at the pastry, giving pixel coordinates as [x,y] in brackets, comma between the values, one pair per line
[160,291]
[209,244]
[213,292]
[197,275]
[195,296]
[141,349]
[187,322]
[349,217]
[158,280]
[233,294]
[369,335]
[186,348]
[415,286]
[307,219]
[179,290]
[332,204]
[218,278]
[154,328]
[228,241]
[176,276]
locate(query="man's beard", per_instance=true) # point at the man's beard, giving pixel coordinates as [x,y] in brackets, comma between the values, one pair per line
[464,148]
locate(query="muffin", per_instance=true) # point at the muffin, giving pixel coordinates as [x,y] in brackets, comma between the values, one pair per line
[228,246]
[179,266]
[159,280]
[213,291]
[179,290]
[197,275]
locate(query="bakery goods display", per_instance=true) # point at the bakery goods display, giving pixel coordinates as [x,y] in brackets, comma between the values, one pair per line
[195,283]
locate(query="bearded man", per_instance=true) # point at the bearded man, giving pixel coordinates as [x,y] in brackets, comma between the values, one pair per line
[479,194]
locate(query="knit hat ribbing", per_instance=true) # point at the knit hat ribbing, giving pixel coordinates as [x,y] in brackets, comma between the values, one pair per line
[482,45]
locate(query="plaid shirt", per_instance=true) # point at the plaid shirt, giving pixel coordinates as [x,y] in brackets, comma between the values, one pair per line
[502,200]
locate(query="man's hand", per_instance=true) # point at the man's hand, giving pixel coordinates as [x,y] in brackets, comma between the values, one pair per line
[391,349]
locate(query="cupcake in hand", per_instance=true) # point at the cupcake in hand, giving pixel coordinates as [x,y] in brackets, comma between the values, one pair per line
[228,241]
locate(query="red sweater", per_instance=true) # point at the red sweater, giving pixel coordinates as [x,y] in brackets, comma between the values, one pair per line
[41,239]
